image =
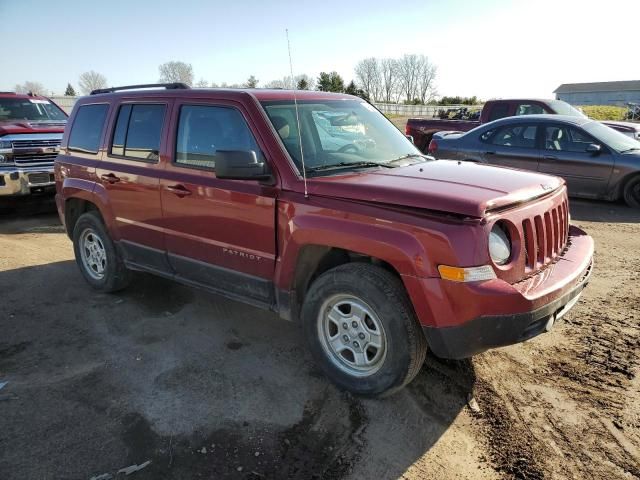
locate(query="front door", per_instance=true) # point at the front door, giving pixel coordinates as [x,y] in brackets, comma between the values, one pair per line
[513,145]
[130,173]
[565,154]
[219,233]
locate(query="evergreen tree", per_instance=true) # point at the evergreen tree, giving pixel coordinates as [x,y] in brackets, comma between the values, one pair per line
[70,92]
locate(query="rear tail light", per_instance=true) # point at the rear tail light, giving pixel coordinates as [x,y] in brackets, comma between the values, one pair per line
[433,147]
[406,129]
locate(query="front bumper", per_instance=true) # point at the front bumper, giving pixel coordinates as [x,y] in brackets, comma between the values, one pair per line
[25,180]
[468,318]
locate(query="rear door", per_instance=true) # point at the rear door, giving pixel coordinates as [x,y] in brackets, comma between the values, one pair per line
[219,233]
[130,173]
[587,174]
[512,145]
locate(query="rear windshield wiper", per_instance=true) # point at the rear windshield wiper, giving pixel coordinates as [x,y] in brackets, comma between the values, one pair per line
[335,166]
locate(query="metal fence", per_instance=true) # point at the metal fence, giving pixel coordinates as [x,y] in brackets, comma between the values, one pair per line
[418,110]
[67,103]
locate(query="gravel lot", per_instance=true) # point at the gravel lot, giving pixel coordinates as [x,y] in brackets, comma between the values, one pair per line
[204,387]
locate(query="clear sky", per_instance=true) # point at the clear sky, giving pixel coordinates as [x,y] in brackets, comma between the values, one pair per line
[490,48]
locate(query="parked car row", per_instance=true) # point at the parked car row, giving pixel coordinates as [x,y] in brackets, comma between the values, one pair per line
[377,249]
[423,129]
[595,160]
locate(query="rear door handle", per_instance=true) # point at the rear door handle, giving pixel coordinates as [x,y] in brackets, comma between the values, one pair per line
[179,190]
[549,157]
[489,153]
[109,178]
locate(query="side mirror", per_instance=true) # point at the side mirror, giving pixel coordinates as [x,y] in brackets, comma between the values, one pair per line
[240,165]
[410,138]
[594,148]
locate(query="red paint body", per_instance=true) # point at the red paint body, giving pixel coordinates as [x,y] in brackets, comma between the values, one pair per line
[412,218]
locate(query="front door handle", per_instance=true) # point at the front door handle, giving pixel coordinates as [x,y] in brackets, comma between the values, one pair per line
[550,157]
[489,153]
[179,190]
[109,178]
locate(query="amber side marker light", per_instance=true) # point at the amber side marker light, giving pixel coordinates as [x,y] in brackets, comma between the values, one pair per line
[468,274]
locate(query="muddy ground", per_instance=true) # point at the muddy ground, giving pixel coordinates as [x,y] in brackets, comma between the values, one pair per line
[204,387]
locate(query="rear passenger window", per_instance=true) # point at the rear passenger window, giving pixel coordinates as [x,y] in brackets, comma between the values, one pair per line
[500,110]
[138,130]
[203,131]
[87,128]
[521,136]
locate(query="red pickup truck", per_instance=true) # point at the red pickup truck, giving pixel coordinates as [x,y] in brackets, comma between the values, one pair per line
[315,206]
[422,129]
[31,129]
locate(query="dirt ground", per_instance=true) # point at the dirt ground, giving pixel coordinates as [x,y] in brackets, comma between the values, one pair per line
[203,387]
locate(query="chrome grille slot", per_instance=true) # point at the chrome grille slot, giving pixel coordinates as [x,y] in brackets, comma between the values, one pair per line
[35,143]
[35,160]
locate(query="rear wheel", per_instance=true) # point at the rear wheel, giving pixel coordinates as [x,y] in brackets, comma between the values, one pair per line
[361,329]
[96,255]
[632,192]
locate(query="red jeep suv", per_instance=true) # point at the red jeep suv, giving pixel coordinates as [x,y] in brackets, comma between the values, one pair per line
[315,206]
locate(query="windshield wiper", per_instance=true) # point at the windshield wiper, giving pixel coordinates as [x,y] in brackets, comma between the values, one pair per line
[332,166]
[411,155]
[630,149]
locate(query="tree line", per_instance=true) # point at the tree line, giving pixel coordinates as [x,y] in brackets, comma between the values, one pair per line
[409,79]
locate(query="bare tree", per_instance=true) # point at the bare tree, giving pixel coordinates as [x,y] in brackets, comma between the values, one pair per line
[389,77]
[171,72]
[426,79]
[202,83]
[91,80]
[368,76]
[408,72]
[34,87]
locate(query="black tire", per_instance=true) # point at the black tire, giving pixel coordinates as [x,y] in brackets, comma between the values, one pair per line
[116,276]
[384,293]
[631,192]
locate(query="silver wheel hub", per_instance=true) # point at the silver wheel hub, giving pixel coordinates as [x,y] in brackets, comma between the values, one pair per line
[352,335]
[93,254]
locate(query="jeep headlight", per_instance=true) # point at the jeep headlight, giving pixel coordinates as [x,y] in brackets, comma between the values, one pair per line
[499,244]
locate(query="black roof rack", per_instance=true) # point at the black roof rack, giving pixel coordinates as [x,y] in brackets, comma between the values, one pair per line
[168,86]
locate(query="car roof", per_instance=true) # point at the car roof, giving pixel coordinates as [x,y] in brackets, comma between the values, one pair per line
[260,94]
[21,95]
[542,117]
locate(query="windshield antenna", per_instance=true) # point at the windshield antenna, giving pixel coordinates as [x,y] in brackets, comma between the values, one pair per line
[295,102]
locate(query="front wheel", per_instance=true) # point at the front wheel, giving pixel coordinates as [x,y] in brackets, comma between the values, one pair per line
[362,331]
[632,192]
[96,255]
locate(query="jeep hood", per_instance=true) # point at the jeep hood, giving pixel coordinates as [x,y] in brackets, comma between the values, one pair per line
[10,127]
[462,188]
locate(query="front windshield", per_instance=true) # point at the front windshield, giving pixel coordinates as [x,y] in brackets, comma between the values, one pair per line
[612,138]
[32,109]
[563,108]
[339,133]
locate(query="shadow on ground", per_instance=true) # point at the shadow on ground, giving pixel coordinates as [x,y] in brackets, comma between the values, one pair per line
[597,211]
[200,386]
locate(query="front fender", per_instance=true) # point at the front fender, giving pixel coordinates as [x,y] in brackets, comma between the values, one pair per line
[395,246]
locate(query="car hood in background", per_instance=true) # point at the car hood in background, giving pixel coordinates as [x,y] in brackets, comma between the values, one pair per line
[9,127]
[462,188]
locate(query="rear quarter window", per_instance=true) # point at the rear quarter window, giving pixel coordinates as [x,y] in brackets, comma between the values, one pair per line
[86,131]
